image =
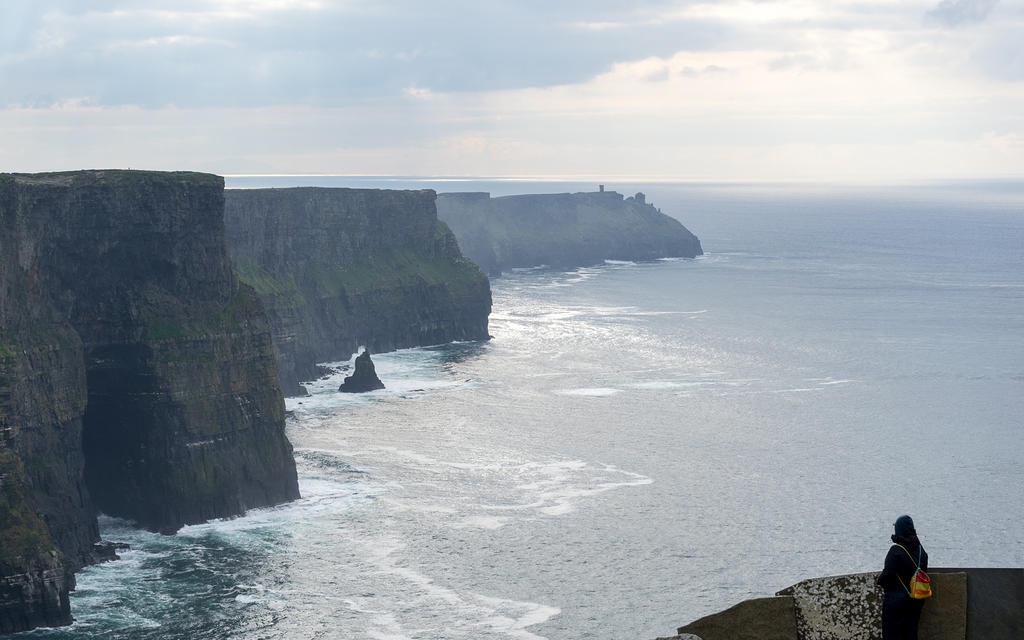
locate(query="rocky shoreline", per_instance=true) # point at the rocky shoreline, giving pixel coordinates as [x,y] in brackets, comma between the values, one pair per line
[152,322]
[139,375]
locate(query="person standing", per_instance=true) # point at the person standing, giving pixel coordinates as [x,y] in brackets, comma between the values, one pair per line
[900,612]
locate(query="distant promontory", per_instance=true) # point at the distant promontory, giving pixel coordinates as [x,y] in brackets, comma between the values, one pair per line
[562,230]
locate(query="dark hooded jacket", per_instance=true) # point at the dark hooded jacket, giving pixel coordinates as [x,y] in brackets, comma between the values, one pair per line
[900,567]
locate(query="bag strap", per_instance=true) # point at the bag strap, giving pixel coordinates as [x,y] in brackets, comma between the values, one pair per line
[905,588]
[918,562]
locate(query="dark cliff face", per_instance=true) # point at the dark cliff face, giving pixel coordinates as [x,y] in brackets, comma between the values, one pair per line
[562,230]
[340,268]
[136,372]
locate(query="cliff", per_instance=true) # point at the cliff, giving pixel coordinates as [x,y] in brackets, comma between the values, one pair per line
[136,374]
[340,268]
[562,230]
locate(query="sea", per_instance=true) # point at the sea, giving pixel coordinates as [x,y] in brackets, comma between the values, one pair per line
[639,444]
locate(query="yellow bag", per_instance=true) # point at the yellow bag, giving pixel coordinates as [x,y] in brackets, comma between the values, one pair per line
[920,584]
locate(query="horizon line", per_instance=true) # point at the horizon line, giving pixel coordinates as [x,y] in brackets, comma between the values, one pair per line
[632,178]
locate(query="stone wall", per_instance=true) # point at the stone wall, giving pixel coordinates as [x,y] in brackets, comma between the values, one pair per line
[968,604]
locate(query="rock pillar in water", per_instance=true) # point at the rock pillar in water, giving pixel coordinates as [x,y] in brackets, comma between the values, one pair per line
[364,378]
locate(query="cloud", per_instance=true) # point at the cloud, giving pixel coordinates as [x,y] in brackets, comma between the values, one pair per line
[1001,56]
[958,13]
[245,53]
[659,75]
[255,52]
[507,87]
[690,72]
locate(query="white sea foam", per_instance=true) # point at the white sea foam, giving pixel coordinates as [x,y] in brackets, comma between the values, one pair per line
[482,522]
[258,594]
[462,613]
[669,384]
[406,373]
[506,620]
[541,267]
[459,493]
[670,313]
[591,392]
[555,316]
[559,486]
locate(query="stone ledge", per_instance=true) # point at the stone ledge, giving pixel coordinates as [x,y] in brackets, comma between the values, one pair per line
[969,604]
[757,619]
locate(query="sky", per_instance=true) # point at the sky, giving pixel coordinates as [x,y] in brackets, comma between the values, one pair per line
[775,90]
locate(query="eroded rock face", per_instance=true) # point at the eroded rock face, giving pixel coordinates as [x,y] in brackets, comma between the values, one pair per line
[35,577]
[340,268]
[364,378]
[562,230]
[136,372]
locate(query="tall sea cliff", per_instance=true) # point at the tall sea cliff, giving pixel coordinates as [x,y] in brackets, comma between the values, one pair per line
[562,230]
[339,268]
[136,374]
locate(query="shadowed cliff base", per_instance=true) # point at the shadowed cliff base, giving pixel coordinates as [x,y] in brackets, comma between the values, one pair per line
[136,374]
[564,230]
[339,268]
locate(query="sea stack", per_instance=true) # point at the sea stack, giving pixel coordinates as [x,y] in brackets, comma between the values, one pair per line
[364,378]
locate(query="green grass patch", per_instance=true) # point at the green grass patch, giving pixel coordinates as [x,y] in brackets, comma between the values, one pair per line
[266,284]
[166,330]
[23,533]
[7,345]
[397,269]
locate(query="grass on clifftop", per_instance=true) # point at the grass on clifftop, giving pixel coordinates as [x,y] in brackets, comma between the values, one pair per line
[397,269]
[168,320]
[6,353]
[265,284]
[123,176]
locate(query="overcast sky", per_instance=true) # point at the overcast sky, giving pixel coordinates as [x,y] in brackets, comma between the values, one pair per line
[834,90]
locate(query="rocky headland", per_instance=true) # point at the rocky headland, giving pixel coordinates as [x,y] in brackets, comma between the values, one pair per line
[137,374]
[562,230]
[340,268]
